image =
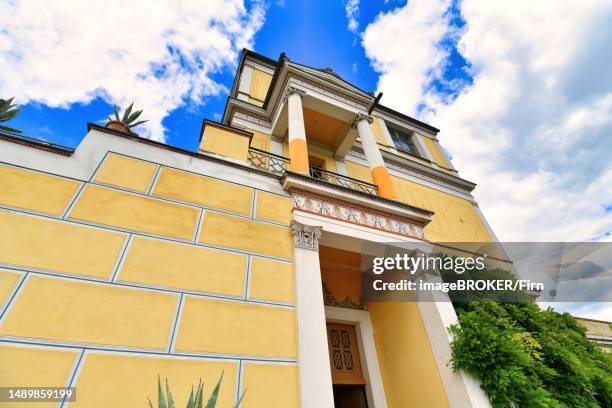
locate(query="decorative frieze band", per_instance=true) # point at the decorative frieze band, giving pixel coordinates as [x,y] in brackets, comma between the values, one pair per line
[251,117]
[305,236]
[355,215]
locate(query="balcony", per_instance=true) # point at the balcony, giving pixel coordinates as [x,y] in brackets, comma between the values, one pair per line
[270,162]
[275,164]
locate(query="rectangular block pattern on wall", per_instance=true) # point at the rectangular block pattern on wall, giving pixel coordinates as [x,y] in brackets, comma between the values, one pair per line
[35,191]
[101,205]
[34,242]
[126,172]
[245,234]
[109,285]
[102,381]
[187,267]
[203,191]
[83,312]
[236,328]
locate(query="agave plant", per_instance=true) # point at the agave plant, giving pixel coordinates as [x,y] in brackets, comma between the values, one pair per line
[126,122]
[195,400]
[7,112]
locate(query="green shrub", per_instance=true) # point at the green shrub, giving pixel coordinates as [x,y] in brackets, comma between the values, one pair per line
[529,356]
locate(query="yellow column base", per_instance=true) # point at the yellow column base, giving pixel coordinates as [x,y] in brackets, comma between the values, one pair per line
[382,179]
[298,154]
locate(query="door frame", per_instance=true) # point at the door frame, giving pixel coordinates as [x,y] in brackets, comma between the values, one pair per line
[375,392]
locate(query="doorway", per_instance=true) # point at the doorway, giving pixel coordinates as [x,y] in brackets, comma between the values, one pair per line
[347,376]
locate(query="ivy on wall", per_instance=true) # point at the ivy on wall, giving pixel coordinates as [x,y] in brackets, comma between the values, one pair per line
[530,357]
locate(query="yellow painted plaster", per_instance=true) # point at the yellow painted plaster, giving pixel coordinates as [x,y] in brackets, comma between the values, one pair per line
[260,140]
[8,280]
[120,380]
[35,191]
[436,151]
[249,235]
[161,263]
[23,366]
[454,220]
[271,280]
[270,386]
[378,132]
[273,207]
[126,172]
[41,243]
[135,212]
[225,143]
[205,191]
[358,171]
[260,82]
[407,363]
[236,328]
[75,311]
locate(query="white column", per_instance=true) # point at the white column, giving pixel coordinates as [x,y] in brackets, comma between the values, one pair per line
[379,172]
[368,141]
[313,355]
[298,151]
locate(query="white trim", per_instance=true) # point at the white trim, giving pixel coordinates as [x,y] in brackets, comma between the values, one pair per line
[385,130]
[276,147]
[341,167]
[244,89]
[253,65]
[375,392]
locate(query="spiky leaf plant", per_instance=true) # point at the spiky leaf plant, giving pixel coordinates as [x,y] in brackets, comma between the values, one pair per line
[195,400]
[129,118]
[7,112]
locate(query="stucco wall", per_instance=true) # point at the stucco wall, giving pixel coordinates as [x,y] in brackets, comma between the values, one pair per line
[145,269]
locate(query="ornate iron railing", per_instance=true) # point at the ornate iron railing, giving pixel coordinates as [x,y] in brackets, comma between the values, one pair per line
[270,162]
[276,164]
[340,180]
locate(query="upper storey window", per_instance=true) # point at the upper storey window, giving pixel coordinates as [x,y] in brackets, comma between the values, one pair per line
[403,141]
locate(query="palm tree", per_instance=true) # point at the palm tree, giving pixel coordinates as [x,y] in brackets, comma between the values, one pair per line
[7,112]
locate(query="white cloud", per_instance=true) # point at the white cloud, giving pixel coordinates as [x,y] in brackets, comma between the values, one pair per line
[534,130]
[158,54]
[403,46]
[352,11]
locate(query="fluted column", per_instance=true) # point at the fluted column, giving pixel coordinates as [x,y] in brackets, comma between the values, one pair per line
[298,151]
[316,389]
[379,171]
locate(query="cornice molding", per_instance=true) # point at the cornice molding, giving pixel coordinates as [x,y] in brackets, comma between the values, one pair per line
[412,168]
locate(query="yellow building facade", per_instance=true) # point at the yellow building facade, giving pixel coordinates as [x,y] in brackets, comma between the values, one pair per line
[126,259]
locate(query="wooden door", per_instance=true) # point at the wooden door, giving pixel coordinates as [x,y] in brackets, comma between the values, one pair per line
[344,354]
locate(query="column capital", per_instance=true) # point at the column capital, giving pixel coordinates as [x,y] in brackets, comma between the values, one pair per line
[360,117]
[306,236]
[293,90]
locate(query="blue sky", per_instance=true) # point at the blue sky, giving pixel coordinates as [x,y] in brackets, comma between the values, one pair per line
[311,32]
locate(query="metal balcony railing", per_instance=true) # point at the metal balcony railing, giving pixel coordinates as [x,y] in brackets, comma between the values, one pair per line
[269,162]
[340,180]
[276,164]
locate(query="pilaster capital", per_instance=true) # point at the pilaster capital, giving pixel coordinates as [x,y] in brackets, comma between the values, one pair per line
[292,90]
[360,117]
[306,236]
